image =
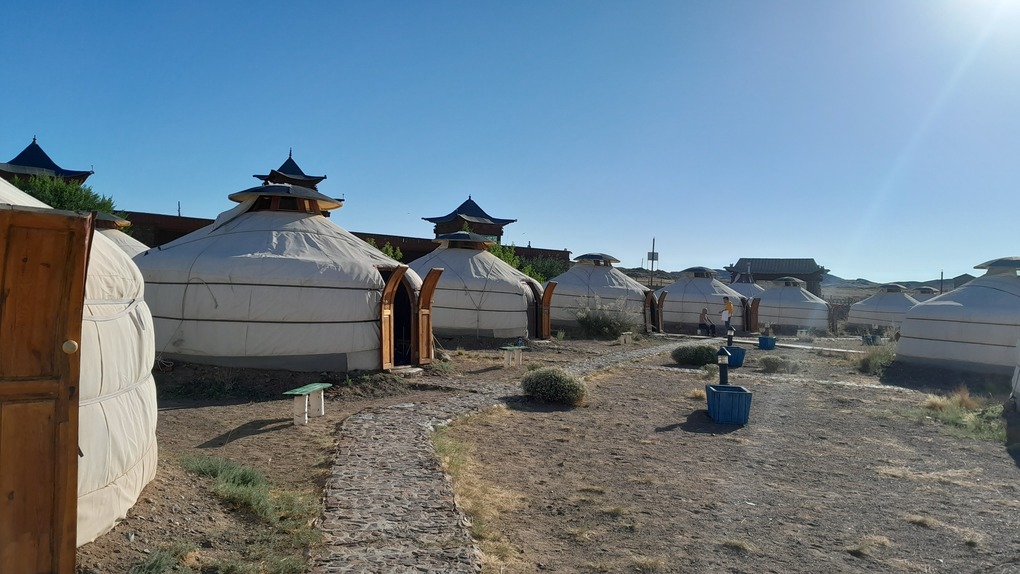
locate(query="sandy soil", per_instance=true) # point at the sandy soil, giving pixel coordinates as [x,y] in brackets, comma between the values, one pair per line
[829,474]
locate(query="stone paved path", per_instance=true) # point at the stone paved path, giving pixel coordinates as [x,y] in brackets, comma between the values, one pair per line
[389,507]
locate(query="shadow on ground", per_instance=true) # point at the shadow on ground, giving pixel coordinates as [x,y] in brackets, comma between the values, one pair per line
[699,422]
[247,429]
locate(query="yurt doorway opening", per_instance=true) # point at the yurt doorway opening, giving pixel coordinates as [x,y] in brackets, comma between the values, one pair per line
[397,317]
[535,317]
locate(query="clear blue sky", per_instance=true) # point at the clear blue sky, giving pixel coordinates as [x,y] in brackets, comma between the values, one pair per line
[881,138]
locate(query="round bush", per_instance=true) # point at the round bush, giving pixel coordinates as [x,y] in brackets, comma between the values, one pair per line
[695,356]
[554,385]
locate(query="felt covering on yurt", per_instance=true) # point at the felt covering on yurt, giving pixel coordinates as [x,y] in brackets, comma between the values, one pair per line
[117,400]
[479,294]
[592,283]
[269,289]
[697,289]
[973,328]
[886,308]
[788,304]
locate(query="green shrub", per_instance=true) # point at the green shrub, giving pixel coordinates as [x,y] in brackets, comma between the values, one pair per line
[695,355]
[876,360]
[779,364]
[554,385]
[603,323]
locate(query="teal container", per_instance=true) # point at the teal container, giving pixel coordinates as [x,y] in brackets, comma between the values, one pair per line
[728,404]
[736,357]
[766,343]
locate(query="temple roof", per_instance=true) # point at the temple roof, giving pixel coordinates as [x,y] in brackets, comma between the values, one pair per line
[469,211]
[34,161]
[290,173]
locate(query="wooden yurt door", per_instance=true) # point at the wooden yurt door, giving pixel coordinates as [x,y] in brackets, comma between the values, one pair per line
[43,255]
[386,316]
[425,351]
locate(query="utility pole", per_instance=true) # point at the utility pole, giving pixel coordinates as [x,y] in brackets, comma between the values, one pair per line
[652,256]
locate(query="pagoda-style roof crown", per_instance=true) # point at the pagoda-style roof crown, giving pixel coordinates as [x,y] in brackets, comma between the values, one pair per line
[34,161]
[290,173]
[471,212]
[698,272]
[286,190]
[597,257]
[465,239]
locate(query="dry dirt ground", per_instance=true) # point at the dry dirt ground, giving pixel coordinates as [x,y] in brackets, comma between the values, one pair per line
[830,475]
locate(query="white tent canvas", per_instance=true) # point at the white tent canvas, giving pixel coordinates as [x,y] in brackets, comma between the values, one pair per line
[974,327]
[593,283]
[270,289]
[117,401]
[886,308]
[788,304]
[698,289]
[479,294]
[747,290]
[125,242]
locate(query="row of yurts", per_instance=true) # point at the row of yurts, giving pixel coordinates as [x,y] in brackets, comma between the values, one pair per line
[273,283]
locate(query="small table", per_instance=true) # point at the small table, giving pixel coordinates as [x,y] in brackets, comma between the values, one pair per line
[512,354]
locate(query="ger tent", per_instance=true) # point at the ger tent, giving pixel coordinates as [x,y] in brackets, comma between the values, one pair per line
[592,283]
[111,226]
[117,400]
[786,304]
[272,283]
[972,328]
[886,308]
[697,289]
[924,293]
[479,294]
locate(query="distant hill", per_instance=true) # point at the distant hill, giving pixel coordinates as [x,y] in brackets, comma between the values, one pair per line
[830,283]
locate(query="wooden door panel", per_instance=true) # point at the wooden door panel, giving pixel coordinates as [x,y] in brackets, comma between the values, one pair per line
[43,256]
[386,315]
[27,453]
[424,348]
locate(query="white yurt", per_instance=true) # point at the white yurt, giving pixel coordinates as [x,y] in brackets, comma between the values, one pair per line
[786,304]
[117,401]
[479,294]
[274,284]
[886,308]
[592,283]
[110,225]
[745,285]
[974,327]
[924,293]
[697,289]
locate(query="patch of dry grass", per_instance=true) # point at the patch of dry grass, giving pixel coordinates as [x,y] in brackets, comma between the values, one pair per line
[697,395]
[956,477]
[480,500]
[647,563]
[868,546]
[926,521]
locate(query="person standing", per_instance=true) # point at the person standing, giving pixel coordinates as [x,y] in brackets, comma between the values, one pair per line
[727,311]
[705,325]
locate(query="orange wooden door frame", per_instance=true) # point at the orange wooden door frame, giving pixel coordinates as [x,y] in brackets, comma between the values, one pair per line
[662,303]
[43,258]
[424,349]
[386,315]
[545,314]
[647,314]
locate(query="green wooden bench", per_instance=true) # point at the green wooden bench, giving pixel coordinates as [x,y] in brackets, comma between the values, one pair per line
[511,354]
[301,394]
